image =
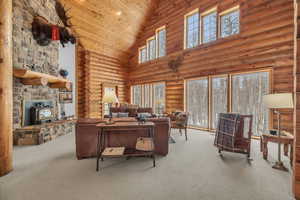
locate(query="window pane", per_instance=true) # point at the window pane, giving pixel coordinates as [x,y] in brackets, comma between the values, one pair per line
[210,27]
[219,98]
[143,55]
[106,106]
[230,23]
[192,30]
[247,93]
[159,97]
[162,43]
[151,49]
[197,102]
[137,95]
[147,96]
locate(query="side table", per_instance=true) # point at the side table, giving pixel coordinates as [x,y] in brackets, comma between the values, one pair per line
[286,139]
[118,128]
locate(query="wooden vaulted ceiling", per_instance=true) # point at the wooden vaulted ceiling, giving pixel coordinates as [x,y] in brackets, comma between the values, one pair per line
[108,26]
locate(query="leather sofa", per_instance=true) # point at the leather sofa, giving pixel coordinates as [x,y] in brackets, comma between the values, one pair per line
[86,136]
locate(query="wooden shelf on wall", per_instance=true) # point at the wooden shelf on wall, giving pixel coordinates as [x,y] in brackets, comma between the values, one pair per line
[36,78]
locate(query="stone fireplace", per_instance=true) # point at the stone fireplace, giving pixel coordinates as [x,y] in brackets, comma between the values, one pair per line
[27,54]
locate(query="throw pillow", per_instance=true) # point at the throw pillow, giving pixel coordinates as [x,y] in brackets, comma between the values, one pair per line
[114,114]
[122,115]
[144,115]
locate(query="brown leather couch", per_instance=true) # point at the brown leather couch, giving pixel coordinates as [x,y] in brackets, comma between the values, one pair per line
[86,136]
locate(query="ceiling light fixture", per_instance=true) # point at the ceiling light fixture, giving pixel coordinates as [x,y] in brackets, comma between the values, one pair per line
[119,13]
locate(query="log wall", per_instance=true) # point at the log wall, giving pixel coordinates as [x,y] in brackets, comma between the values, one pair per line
[265,41]
[296,174]
[94,70]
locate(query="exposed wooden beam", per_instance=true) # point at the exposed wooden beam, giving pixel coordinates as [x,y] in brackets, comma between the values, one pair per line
[6,143]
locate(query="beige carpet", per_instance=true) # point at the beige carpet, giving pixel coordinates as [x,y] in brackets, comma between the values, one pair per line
[193,170]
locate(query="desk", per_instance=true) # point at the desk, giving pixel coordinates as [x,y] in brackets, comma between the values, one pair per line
[117,128]
[286,139]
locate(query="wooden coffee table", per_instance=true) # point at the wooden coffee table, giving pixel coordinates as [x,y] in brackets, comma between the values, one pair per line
[286,139]
[133,127]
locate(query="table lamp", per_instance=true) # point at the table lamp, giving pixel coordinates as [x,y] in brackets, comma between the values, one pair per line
[277,101]
[110,98]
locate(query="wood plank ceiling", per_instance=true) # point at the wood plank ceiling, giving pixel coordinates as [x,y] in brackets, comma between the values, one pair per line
[108,27]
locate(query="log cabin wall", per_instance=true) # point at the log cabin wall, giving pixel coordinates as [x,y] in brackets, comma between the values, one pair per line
[106,32]
[296,164]
[265,41]
[95,71]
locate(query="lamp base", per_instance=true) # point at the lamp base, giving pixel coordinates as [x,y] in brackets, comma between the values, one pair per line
[280,166]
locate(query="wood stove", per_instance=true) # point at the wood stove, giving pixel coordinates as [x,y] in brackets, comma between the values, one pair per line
[37,112]
[41,113]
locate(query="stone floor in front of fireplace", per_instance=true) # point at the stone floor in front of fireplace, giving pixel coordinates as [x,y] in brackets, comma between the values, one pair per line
[192,170]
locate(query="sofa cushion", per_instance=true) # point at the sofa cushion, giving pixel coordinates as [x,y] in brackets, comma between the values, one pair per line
[132,112]
[117,109]
[145,110]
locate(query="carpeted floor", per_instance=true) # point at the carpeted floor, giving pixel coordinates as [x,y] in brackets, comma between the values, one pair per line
[193,170]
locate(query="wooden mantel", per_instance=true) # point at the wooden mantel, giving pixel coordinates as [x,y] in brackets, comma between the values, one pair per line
[6,106]
[36,78]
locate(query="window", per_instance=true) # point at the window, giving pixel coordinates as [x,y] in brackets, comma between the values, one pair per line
[219,95]
[197,102]
[191,37]
[159,97]
[142,54]
[242,93]
[247,93]
[230,22]
[209,26]
[149,95]
[151,47]
[137,95]
[161,42]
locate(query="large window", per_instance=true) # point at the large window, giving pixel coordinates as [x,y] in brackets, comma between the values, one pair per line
[151,47]
[209,26]
[192,29]
[142,54]
[197,102]
[239,93]
[161,42]
[247,94]
[150,95]
[230,22]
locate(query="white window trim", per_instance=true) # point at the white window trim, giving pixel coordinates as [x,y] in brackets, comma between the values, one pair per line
[208,12]
[148,52]
[140,49]
[156,34]
[185,27]
[235,8]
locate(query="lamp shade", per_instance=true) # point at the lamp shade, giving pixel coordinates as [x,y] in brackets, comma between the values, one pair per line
[110,97]
[279,100]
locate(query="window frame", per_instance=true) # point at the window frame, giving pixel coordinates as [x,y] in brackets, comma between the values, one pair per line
[157,31]
[204,14]
[185,28]
[230,10]
[148,47]
[140,54]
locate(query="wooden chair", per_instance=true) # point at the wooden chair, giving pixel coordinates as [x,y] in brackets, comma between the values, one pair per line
[179,120]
